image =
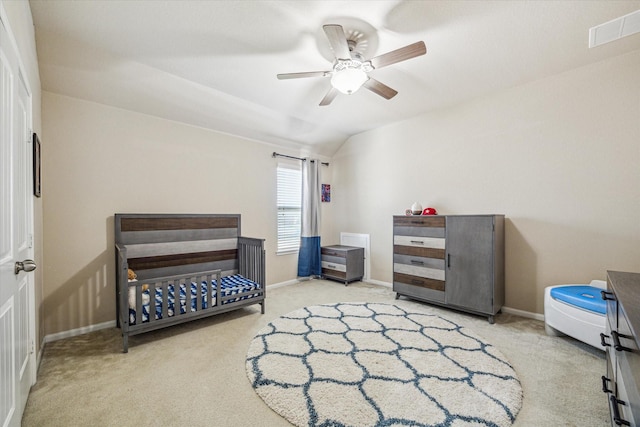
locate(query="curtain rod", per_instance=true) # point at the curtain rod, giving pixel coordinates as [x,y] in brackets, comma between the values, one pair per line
[295,158]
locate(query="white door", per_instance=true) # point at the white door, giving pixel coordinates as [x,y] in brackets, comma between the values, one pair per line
[17,361]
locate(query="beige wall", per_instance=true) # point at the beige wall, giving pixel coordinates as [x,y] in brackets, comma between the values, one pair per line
[100,160]
[560,157]
[21,24]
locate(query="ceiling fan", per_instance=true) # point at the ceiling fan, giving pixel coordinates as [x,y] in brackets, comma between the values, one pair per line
[350,70]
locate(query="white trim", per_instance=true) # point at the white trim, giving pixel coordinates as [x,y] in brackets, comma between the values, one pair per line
[79,331]
[522,313]
[378,282]
[509,310]
[112,323]
[282,284]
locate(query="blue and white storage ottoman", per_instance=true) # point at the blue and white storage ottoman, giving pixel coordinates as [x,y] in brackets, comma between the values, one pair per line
[577,311]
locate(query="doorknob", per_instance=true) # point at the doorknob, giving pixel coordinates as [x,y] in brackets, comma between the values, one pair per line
[27,265]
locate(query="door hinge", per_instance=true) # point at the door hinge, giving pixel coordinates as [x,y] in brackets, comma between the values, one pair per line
[33,347]
[30,241]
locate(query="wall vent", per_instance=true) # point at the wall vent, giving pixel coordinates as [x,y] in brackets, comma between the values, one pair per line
[615,29]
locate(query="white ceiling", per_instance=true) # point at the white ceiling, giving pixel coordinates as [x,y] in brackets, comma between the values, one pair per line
[214,63]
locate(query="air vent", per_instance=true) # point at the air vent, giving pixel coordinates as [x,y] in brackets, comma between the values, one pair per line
[613,30]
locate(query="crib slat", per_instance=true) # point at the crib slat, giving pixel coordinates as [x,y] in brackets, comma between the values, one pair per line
[209,291]
[198,281]
[138,305]
[165,299]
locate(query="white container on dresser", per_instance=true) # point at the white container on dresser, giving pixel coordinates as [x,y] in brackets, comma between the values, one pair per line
[451,260]
[622,344]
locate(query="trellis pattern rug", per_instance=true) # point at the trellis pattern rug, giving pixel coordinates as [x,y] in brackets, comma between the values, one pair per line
[365,364]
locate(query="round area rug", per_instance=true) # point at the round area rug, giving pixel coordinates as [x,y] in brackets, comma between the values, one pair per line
[365,364]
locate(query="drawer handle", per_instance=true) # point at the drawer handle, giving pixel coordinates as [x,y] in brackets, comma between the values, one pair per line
[416,282]
[331,266]
[417,262]
[605,296]
[602,341]
[616,413]
[605,389]
[417,242]
[616,342]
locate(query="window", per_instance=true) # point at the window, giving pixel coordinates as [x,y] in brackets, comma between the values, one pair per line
[289,208]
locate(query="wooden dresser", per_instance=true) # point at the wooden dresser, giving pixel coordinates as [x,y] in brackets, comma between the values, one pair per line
[621,342]
[342,263]
[452,260]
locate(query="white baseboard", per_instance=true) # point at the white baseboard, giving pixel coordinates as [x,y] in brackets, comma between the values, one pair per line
[112,323]
[79,331]
[522,313]
[379,283]
[281,284]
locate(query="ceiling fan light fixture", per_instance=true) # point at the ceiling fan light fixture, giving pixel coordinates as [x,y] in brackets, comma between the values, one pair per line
[349,80]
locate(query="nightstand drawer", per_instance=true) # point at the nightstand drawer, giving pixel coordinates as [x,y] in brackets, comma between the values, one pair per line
[334,266]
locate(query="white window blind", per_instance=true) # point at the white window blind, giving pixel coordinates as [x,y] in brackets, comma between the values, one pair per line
[289,208]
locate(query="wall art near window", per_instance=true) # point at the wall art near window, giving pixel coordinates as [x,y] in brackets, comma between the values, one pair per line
[37,183]
[326,192]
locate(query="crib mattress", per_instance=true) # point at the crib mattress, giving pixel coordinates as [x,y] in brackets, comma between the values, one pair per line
[231,285]
[584,297]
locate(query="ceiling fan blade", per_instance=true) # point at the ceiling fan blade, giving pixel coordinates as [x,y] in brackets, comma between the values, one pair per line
[402,54]
[302,75]
[337,40]
[330,96]
[380,88]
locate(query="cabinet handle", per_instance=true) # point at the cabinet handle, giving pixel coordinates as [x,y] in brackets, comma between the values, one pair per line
[417,242]
[448,260]
[331,266]
[605,296]
[615,336]
[605,389]
[602,342]
[417,262]
[616,413]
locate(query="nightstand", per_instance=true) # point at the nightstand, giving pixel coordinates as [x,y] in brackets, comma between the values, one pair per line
[342,263]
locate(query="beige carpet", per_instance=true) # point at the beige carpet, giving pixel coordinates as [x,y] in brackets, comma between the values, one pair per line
[195,374]
[372,364]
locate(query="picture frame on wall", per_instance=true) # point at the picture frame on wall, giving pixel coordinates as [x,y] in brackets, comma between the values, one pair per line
[37,179]
[326,193]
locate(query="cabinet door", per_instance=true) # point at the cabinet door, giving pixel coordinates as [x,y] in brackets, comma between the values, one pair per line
[470,258]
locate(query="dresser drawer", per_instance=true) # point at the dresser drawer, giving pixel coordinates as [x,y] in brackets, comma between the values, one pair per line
[419,221]
[423,272]
[419,282]
[419,241]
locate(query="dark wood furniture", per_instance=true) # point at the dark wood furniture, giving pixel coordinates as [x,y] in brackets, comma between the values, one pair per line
[171,251]
[342,263]
[621,342]
[453,260]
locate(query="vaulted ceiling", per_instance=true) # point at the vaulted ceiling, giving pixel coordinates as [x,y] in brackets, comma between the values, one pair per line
[213,64]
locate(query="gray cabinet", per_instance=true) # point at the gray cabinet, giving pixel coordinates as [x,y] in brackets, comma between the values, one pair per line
[342,263]
[454,260]
[622,345]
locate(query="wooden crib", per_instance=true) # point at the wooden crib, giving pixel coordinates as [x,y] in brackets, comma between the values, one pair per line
[188,266]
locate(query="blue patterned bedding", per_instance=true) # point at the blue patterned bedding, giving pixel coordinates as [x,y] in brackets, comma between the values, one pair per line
[231,285]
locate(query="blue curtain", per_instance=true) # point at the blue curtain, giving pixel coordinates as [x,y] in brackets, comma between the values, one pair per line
[309,257]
